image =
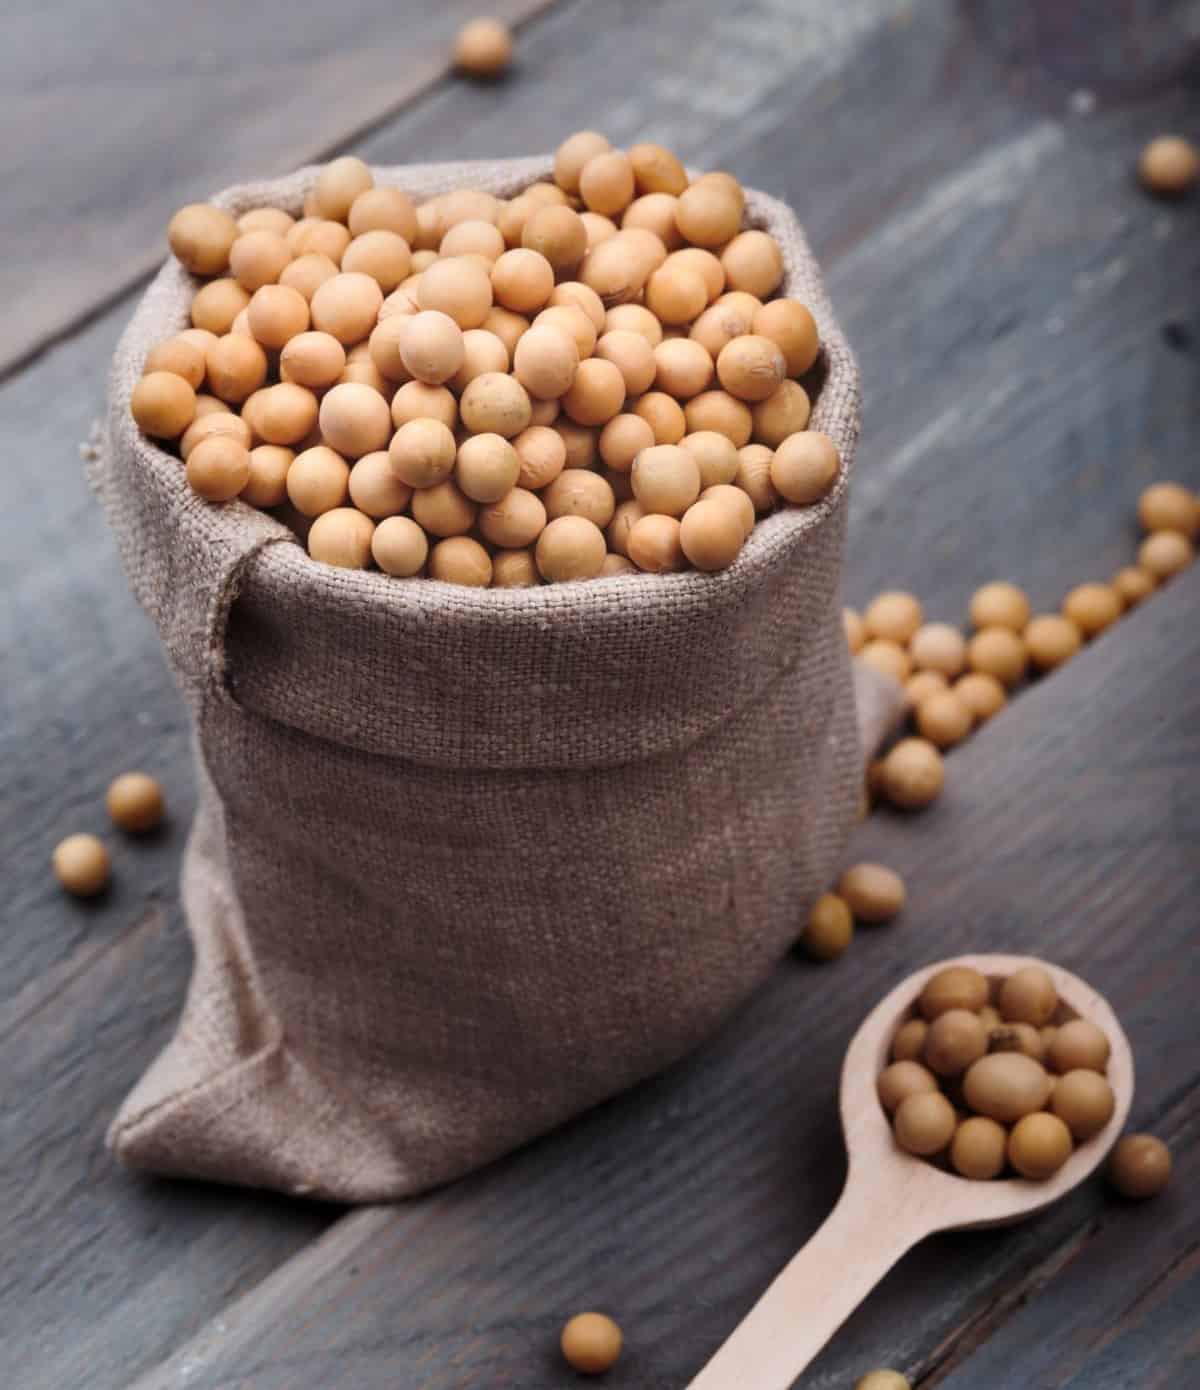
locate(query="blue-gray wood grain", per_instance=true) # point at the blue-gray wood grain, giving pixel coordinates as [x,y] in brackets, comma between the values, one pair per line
[117,114]
[1027,323]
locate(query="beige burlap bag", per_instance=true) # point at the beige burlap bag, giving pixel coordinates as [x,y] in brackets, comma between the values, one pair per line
[468,861]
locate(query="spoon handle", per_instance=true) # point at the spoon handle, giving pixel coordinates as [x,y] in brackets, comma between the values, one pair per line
[863,1237]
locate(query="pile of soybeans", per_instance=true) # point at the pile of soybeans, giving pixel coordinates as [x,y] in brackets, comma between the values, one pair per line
[591,378]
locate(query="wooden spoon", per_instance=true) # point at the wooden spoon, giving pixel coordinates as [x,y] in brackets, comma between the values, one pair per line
[892,1199]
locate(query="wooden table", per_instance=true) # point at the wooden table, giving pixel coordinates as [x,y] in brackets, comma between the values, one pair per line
[1028,327]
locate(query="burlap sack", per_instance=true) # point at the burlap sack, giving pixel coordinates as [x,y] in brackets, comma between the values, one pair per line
[467,862]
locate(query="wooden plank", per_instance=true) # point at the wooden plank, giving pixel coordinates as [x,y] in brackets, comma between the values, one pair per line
[1093,1322]
[1068,826]
[1019,368]
[118,115]
[102,1276]
[1019,381]
[86,694]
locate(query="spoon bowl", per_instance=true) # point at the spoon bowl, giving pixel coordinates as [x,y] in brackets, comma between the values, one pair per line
[957,1203]
[893,1199]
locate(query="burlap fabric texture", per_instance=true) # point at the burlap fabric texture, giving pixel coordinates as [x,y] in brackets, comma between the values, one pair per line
[467,862]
